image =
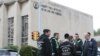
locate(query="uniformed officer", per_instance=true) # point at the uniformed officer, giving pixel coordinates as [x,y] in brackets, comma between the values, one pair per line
[44,44]
[78,45]
[55,44]
[66,48]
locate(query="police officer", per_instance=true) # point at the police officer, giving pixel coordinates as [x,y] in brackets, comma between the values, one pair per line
[44,44]
[55,44]
[78,45]
[90,46]
[66,48]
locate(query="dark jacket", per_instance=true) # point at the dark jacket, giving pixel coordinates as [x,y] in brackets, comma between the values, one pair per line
[55,46]
[44,46]
[90,48]
[66,49]
[78,47]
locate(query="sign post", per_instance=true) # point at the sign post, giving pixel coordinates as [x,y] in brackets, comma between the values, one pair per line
[39,17]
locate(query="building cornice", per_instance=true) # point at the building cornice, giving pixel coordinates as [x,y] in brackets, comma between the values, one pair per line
[22,1]
[9,2]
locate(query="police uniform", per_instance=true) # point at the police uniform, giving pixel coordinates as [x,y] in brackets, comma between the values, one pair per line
[78,47]
[55,46]
[44,46]
[66,49]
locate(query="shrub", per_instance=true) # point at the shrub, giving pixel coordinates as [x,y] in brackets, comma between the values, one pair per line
[28,51]
[12,47]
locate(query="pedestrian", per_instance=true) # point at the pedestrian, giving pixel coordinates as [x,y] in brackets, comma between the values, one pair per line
[78,45]
[71,39]
[66,48]
[60,41]
[44,44]
[55,44]
[90,46]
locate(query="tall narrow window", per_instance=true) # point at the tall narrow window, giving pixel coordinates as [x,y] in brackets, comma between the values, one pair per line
[24,29]
[10,30]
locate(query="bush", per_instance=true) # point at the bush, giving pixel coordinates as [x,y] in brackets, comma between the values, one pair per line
[12,47]
[28,51]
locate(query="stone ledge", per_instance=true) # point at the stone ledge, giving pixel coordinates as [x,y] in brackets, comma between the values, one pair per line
[1,2]
[8,2]
[22,1]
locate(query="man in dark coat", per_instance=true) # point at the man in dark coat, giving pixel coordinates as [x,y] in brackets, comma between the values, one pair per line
[78,45]
[90,46]
[55,44]
[66,48]
[44,44]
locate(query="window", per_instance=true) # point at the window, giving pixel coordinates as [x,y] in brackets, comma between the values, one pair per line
[10,30]
[24,29]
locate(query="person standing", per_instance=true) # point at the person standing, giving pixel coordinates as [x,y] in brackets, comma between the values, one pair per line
[90,46]
[78,45]
[66,48]
[44,44]
[55,44]
[71,39]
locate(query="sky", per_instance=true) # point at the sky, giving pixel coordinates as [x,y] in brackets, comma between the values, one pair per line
[91,7]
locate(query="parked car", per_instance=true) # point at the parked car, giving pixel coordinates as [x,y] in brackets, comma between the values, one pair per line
[7,52]
[98,54]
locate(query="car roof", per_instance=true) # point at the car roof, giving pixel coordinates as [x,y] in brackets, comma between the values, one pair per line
[7,49]
[98,48]
[3,49]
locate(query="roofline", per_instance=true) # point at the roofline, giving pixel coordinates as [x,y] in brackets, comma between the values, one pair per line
[63,6]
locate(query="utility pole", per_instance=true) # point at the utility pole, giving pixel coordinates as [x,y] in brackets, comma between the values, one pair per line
[39,17]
